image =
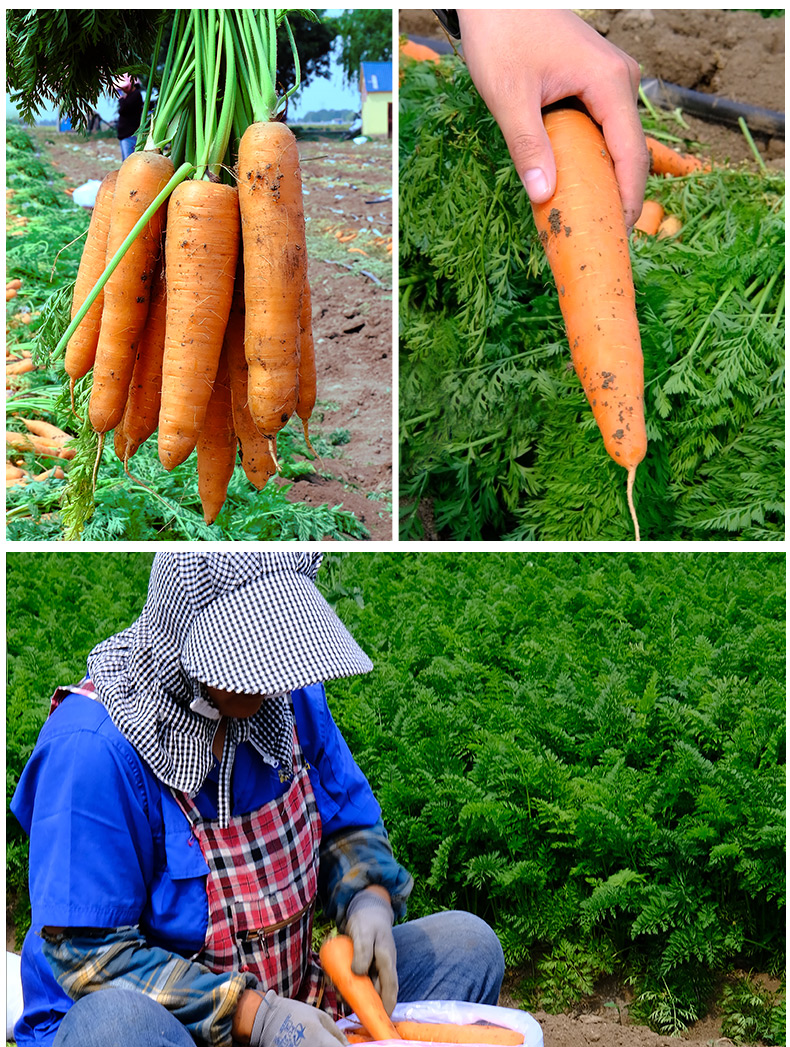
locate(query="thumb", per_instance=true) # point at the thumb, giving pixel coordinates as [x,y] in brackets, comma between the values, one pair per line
[531,153]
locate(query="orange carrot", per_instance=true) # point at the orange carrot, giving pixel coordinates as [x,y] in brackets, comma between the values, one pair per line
[38,444]
[272,225]
[216,446]
[650,217]
[256,454]
[81,350]
[47,430]
[667,161]
[438,1032]
[13,472]
[306,375]
[201,251]
[141,413]
[582,229]
[22,366]
[14,284]
[10,292]
[56,473]
[357,990]
[671,225]
[126,294]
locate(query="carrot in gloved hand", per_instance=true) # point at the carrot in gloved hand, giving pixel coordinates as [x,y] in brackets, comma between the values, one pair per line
[357,990]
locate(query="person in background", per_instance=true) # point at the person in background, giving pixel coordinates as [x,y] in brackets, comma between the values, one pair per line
[522,60]
[189,802]
[130,111]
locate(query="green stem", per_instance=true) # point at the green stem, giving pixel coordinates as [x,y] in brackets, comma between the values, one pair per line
[183,172]
[755,151]
[264,96]
[225,122]
[152,74]
[295,53]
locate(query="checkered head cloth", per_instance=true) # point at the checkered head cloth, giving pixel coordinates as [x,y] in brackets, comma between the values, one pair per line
[253,623]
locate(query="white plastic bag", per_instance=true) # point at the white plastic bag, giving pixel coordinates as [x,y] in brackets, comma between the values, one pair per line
[85,195]
[13,992]
[455,1012]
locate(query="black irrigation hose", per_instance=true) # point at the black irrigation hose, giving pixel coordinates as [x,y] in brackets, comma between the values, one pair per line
[713,107]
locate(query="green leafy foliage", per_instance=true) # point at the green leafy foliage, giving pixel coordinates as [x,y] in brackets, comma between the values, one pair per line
[588,751]
[496,431]
[752,1013]
[68,58]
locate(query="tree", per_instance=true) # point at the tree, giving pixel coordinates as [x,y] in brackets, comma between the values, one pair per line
[365,36]
[69,58]
[314,41]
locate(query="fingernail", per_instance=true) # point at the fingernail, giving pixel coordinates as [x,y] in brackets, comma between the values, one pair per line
[537,185]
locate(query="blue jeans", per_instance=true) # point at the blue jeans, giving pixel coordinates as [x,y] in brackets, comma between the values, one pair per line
[447,956]
[128,146]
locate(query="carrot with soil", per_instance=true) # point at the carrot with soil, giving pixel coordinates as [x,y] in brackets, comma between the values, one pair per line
[141,178]
[201,250]
[273,233]
[306,375]
[668,161]
[81,350]
[216,446]
[582,229]
[257,459]
[141,414]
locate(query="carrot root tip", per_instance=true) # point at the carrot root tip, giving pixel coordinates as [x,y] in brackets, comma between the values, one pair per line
[630,496]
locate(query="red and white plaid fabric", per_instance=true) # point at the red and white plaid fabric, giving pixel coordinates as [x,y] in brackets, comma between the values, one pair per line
[261,887]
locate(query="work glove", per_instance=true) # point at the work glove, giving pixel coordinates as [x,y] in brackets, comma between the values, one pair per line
[369,920]
[281,1022]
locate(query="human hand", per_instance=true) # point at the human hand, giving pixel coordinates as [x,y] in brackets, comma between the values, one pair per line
[280,1022]
[522,60]
[369,920]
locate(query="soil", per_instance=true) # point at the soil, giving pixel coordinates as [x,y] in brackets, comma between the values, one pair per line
[348,190]
[735,54]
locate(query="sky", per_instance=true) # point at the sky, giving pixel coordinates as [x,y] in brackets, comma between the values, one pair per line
[322,93]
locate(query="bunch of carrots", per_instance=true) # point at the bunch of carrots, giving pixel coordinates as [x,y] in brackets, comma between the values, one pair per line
[191,307]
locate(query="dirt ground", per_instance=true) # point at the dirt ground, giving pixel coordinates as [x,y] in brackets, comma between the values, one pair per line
[348,190]
[735,54]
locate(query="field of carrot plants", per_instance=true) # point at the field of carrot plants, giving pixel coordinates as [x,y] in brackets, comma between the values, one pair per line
[497,439]
[587,750]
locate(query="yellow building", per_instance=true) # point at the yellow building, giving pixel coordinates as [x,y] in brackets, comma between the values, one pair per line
[376,89]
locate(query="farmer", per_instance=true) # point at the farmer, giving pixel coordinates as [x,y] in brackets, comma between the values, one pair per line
[130,111]
[521,60]
[189,802]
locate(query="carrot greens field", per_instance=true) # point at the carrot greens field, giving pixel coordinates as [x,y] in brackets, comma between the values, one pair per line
[587,750]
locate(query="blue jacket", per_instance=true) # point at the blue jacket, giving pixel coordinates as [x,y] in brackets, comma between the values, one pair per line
[110,848]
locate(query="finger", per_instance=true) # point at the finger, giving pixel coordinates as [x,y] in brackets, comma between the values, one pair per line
[625,140]
[530,151]
[388,979]
[363,953]
[331,1027]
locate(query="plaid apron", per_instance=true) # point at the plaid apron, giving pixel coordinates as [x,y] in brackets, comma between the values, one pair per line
[261,887]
